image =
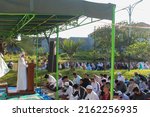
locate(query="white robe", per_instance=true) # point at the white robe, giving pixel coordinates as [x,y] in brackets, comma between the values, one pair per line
[92,96]
[22,75]
[3,67]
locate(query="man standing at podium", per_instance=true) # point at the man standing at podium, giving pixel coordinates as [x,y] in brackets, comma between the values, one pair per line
[22,73]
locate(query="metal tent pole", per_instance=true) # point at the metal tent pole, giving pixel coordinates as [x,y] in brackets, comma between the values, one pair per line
[37,46]
[112,54]
[57,57]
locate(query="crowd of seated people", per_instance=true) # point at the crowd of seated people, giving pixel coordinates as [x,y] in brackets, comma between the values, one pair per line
[102,65]
[97,87]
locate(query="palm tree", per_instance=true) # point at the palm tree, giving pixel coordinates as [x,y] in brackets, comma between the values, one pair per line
[70,48]
[12,45]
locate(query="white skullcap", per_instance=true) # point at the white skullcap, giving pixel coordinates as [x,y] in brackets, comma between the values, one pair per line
[89,87]
[66,83]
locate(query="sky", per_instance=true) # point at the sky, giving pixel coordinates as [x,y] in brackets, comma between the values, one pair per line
[140,14]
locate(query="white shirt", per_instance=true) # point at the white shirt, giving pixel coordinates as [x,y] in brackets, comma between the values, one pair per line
[69,92]
[92,96]
[98,79]
[125,97]
[96,87]
[60,66]
[142,86]
[101,64]
[51,80]
[60,82]
[77,80]
[121,78]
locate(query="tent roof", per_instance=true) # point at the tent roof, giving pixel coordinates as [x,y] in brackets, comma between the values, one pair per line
[45,14]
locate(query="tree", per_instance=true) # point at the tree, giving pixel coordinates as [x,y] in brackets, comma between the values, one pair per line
[70,48]
[139,51]
[26,44]
[102,37]
[8,44]
[12,45]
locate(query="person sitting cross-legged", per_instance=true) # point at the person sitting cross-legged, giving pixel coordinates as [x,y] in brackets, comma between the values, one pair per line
[51,82]
[67,91]
[76,79]
[79,92]
[142,85]
[131,86]
[105,95]
[96,86]
[66,79]
[85,81]
[122,96]
[120,77]
[138,95]
[120,86]
[91,95]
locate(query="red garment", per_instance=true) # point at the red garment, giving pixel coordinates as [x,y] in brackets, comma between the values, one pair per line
[106,97]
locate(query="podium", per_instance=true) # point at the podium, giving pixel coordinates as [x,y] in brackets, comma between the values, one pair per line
[30,78]
[30,82]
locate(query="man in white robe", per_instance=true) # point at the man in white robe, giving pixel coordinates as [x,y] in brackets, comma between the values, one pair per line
[91,95]
[3,66]
[22,74]
[120,77]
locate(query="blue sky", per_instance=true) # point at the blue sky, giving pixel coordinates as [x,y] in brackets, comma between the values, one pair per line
[140,14]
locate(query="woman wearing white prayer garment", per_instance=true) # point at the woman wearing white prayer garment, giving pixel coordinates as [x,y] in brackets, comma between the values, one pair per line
[22,73]
[3,66]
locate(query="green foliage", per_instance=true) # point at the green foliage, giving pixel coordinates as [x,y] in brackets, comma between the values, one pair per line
[63,56]
[91,56]
[102,37]
[82,55]
[139,50]
[27,44]
[41,51]
[10,78]
[70,47]
[14,57]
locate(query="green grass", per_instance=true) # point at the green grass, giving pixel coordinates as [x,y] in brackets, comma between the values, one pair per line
[11,77]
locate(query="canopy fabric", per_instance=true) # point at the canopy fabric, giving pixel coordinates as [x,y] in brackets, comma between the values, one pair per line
[36,16]
[39,23]
[57,7]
